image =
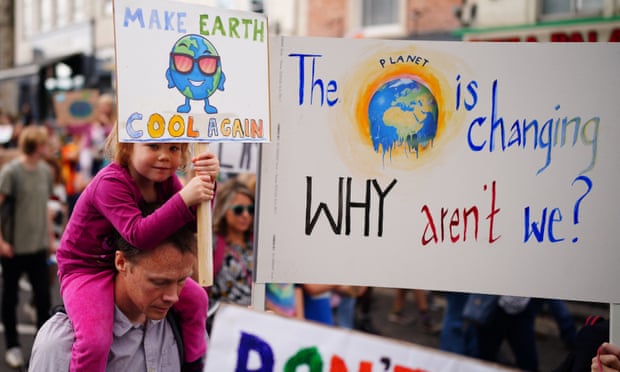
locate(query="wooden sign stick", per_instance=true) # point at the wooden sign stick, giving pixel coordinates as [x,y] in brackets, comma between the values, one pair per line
[205,236]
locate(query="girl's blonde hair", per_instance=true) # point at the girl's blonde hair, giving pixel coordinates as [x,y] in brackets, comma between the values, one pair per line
[119,152]
[223,199]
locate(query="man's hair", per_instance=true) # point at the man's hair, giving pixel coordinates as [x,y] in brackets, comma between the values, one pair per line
[184,239]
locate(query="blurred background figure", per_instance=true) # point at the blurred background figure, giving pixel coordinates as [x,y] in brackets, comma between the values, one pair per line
[364,307]
[90,140]
[99,130]
[457,335]
[317,303]
[563,319]
[284,299]
[27,183]
[513,320]
[25,114]
[233,253]
[397,315]
[9,130]
[344,301]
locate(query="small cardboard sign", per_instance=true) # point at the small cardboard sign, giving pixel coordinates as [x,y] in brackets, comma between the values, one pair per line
[76,107]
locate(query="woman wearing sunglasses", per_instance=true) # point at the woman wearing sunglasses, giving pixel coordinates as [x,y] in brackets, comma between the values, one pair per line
[233,254]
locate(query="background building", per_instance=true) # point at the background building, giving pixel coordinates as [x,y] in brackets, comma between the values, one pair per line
[58,45]
[540,20]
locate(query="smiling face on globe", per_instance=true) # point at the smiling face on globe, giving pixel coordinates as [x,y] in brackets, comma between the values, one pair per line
[402,112]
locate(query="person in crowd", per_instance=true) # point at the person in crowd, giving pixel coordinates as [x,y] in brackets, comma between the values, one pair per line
[139,173]
[26,116]
[344,300]
[457,335]
[27,183]
[588,339]
[148,282]
[69,162]
[397,314]
[91,139]
[100,130]
[248,179]
[57,209]
[58,202]
[513,320]
[363,321]
[564,320]
[10,130]
[233,254]
[607,358]
[284,299]
[317,302]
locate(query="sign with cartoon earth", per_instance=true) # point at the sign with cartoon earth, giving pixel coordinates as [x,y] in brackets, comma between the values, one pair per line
[183,73]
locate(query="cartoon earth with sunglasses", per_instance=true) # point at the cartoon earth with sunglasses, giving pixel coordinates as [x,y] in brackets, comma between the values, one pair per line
[195,70]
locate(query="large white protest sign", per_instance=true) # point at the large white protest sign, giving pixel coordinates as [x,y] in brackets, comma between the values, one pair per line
[190,73]
[248,340]
[478,167]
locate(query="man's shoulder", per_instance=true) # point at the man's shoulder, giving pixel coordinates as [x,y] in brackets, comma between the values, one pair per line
[52,345]
[59,326]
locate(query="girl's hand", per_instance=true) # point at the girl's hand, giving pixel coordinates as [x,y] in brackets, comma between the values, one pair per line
[206,164]
[199,189]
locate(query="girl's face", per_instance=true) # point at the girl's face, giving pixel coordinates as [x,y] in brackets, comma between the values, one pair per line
[154,162]
[238,216]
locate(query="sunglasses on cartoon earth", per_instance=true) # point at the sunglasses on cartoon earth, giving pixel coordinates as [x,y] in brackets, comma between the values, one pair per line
[184,63]
[238,209]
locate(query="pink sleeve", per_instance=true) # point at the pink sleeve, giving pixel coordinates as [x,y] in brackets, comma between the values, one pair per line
[117,199]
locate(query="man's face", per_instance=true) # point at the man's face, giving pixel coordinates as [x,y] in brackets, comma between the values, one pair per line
[151,285]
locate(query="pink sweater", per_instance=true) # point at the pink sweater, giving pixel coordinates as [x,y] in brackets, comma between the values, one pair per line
[111,202]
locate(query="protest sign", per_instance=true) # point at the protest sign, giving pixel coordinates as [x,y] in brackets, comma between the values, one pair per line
[75,107]
[475,167]
[190,73]
[249,340]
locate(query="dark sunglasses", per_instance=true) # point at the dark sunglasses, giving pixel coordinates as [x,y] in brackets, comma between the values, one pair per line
[184,63]
[238,209]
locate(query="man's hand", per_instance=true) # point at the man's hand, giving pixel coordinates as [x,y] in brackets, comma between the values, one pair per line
[607,359]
